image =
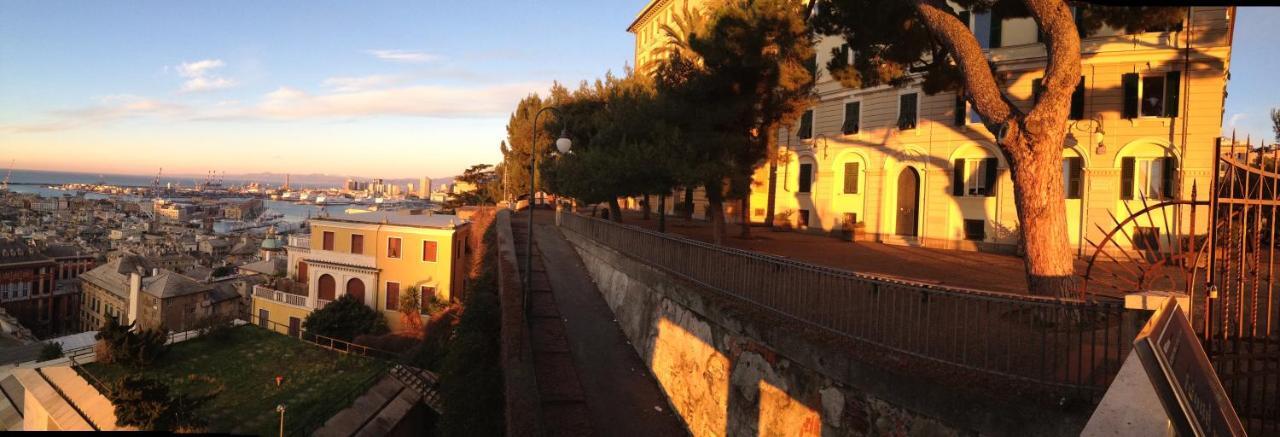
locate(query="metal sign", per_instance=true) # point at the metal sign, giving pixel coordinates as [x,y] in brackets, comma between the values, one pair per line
[1183,379]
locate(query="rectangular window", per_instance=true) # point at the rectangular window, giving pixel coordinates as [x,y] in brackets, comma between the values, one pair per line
[429,251]
[327,243]
[852,118]
[1152,93]
[851,178]
[975,183]
[975,230]
[806,178]
[428,295]
[357,244]
[1073,177]
[393,247]
[806,125]
[907,111]
[974,177]
[804,218]
[1154,178]
[393,296]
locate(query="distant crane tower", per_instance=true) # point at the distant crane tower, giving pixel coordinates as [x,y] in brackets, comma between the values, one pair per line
[155,183]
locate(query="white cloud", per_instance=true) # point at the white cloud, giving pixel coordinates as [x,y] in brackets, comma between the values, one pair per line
[110,108]
[412,101]
[406,56]
[1236,118]
[360,83]
[200,76]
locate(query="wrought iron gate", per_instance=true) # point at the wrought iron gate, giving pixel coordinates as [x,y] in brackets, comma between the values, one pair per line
[1221,252]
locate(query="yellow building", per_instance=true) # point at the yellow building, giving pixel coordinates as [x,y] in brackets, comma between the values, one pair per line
[905,167]
[376,257]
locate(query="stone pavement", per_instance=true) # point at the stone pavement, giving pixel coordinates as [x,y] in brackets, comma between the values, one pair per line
[591,380]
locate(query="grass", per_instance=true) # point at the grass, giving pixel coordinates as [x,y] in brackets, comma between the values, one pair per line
[242,369]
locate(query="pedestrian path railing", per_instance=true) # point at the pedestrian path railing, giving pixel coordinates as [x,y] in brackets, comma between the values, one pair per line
[1061,345]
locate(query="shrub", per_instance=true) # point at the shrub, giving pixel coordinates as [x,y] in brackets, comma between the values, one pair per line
[344,319]
[147,404]
[216,328]
[50,351]
[396,343]
[435,337]
[470,372]
[121,344]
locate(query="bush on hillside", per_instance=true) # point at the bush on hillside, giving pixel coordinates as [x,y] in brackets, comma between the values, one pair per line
[122,344]
[470,371]
[149,405]
[50,351]
[345,319]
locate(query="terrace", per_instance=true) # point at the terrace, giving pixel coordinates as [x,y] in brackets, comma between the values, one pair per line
[242,369]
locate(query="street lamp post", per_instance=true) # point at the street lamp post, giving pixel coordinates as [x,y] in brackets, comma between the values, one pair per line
[562,145]
[280,409]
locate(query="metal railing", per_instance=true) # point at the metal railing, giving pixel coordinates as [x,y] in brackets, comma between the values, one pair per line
[1065,347]
[280,296]
[320,340]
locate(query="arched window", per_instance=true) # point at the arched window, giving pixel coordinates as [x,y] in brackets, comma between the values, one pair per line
[327,287]
[355,287]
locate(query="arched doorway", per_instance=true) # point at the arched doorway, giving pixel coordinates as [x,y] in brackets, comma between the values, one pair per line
[327,287]
[908,202]
[355,287]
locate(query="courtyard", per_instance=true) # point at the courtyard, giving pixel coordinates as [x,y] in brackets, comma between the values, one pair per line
[241,370]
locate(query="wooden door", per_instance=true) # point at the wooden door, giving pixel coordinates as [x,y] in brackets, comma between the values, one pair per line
[908,202]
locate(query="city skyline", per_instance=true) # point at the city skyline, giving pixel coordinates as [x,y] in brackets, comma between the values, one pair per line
[285,87]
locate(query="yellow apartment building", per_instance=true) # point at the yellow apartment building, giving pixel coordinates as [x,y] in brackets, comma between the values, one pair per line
[375,256]
[905,167]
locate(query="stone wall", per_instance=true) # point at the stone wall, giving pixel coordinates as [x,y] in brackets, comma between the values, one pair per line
[731,369]
[520,390]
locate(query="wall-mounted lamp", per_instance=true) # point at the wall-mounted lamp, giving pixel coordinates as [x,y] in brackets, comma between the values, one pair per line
[1097,134]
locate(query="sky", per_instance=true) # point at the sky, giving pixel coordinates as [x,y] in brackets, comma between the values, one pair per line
[367,89]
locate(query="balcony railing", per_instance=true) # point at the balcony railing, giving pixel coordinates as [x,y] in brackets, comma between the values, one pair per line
[349,259]
[282,297]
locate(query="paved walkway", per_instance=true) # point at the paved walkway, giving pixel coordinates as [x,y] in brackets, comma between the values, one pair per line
[591,380]
[969,269]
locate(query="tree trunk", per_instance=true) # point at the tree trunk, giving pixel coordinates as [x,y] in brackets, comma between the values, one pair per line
[715,212]
[688,204]
[644,207]
[770,202]
[615,210]
[662,212]
[1042,217]
[745,216]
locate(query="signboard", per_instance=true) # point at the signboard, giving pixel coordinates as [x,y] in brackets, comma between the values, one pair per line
[1183,379]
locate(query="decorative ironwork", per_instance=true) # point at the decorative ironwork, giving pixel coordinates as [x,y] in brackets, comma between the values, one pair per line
[1225,265]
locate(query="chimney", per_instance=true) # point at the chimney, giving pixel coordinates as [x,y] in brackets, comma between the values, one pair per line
[135,295]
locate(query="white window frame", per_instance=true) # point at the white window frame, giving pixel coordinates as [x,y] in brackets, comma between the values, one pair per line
[399,255]
[862,112]
[1142,79]
[399,290]
[975,177]
[424,249]
[422,297]
[898,116]
[970,114]
[1142,170]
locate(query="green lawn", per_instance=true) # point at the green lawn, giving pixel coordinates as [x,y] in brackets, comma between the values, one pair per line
[242,369]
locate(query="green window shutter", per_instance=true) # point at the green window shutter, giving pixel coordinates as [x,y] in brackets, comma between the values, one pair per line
[852,112]
[957,178]
[1126,177]
[964,18]
[1129,84]
[1075,177]
[991,164]
[907,104]
[1170,166]
[1172,85]
[997,27]
[1077,101]
[1036,86]
[806,125]
[806,178]
[851,178]
[960,110]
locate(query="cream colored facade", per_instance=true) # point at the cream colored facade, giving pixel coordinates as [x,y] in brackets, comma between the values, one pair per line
[377,256]
[866,176]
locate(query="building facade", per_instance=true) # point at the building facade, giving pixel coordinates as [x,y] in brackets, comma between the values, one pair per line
[896,165]
[376,257]
[130,290]
[37,285]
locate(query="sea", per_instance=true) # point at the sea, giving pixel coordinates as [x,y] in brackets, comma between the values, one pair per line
[292,213]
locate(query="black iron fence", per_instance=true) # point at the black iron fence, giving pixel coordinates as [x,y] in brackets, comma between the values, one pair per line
[1063,346]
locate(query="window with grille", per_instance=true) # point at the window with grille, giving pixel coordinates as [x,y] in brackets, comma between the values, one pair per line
[975,230]
[908,108]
